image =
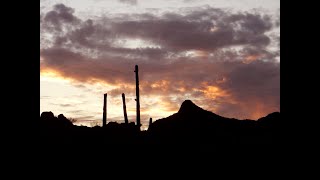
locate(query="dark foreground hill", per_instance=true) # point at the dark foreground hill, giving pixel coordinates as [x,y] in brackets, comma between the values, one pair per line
[191,125]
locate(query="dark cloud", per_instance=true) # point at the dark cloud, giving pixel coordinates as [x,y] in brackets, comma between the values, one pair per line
[76,111]
[60,15]
[131,2]
[217,58]
[204,30]
[63,104]
[45,97]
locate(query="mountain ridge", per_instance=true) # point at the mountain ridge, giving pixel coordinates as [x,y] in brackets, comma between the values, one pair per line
[193,123]
[190,125]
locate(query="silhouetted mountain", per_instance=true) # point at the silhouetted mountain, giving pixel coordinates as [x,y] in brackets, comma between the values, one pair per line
[188,107]
[190,125]
[271,120]
[189,116]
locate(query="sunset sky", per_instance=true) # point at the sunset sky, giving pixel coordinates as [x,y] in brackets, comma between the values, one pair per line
[224,55]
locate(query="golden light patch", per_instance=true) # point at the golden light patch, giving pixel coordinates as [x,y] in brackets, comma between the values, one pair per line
[49,73]
[197,53]
[212,92]
[160,84]
[257,114]
[181,89]
[161,107]
[249,59]
[259,111]
[135,43]
[168,107]
[200,53]
[55,76]
[100,83]
[51,76]
[213,29]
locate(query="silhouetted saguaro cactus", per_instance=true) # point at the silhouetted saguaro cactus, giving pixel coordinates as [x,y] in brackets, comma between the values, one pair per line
[137,96]
[150,122]
[104,120]
[124,109]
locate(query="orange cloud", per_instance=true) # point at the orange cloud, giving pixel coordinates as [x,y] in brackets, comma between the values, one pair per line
[50,73]
[163,84]
[211,91]
[251,58]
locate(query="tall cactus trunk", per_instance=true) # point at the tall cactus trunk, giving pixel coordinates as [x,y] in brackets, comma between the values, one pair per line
[150,122]
[104,120]
[124,109]
[137,96]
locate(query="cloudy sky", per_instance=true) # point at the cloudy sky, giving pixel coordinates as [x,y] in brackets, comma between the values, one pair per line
[224,55]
